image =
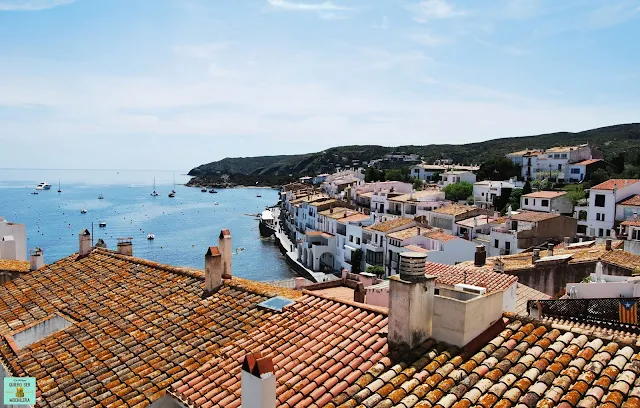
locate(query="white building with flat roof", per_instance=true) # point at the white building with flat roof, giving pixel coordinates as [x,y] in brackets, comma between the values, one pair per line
[13,240]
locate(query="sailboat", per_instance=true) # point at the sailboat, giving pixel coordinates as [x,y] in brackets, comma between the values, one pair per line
[59,190]
[173,192]
[154,194]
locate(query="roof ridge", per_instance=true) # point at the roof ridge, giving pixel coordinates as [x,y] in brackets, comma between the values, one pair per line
[141,261]
[363,306]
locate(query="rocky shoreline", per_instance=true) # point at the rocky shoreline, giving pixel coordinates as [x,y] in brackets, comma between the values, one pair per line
[201,182]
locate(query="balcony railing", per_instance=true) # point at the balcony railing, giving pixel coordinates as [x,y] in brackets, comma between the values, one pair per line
[393,212]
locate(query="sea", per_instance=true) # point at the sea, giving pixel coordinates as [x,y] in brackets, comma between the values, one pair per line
[184,226]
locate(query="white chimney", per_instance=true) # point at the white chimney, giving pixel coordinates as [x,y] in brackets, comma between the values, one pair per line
[224,244]
[36,260]
[411,296]
[258,382]
[125,246]
[84,239]
[212,269]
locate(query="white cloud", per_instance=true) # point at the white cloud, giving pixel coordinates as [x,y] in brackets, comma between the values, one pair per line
[435,9]
[290,5]
[31,5]
[427,39]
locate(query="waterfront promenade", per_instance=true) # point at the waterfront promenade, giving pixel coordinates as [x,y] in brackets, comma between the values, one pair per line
[286,247]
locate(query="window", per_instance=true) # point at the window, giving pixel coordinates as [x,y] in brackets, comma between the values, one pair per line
[601,217]
[357,241]
[608,233]
[534,201]
[350,238]
[575,171]
[597,216]
[34,334]
[526,201]
[599,200]
[559,167]
[496,244]
[374,258]
[545,203]
[482,194]
[507,245]
[564,156]
[600,232]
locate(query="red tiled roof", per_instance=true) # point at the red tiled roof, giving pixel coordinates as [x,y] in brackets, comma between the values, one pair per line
[10,265]
[528,364]
[632,223]
[610,184]
[588,162]
[524,294]
[545,194]
[319,348]
[451,275]
[138,326]
[633,200]
[440,236]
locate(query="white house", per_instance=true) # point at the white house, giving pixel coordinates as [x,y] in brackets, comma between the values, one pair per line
[554,162]
[484,192]
[444,248]
[603,200]
[547,201]
[446,217]
[13,240]
[456,176]
[364,194]
[416,203]
[376,242]
[576,172]
[426,172]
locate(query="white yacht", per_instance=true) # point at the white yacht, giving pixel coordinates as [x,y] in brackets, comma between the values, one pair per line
[43,186]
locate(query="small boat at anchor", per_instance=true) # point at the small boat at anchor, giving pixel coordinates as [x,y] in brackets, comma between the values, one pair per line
[100,197]
[204,190]
[83,211]
[102,224]
[151,236]
[212,191]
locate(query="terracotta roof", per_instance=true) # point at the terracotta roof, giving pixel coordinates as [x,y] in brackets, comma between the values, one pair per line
[545,194]
[521,152]
[592,329]
[356,216]
[319,234]
[415,248]
[528,364]
[533,216]
[587,162]
[407,233]
[10,265]
[633,200]
[389,225]
[621,258]
[454,209]
[632,223]
[440,235]
[317,203]
[368,194]
[451,275]
[524,294]
[319,347]
[610,184]
[138,326]
[336,212]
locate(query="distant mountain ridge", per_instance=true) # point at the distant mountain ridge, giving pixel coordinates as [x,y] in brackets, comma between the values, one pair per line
[609,140]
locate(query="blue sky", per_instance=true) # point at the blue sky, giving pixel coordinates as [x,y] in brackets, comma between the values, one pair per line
[170,84]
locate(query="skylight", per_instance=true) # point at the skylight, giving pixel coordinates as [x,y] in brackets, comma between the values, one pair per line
[276,303]
[35,333]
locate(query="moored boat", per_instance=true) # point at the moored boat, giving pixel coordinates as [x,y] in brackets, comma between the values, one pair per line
[267,223]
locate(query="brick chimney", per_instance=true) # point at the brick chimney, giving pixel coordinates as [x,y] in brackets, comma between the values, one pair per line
[224,245]
[84,239]
[212,269]
[36,260]
[258,382]
[411,296]
[480,256]
[125,246]
[535,256]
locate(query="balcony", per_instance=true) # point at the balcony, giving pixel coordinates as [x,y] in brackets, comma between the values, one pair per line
[371,246]
[394,212]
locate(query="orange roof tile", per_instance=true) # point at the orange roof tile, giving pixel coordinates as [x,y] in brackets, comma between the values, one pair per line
[10,265]
[618,183]
[138,326]
[632,223]
[440,235]
[588,162]
[455,209]
[633,200]
[389,225]
[451,275]
[533,216]
[545,194]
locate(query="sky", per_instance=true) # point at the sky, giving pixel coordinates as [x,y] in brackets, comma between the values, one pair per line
[171,84]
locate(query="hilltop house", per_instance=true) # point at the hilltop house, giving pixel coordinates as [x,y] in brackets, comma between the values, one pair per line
[485,192]
[606,205]
[456,176]
[565,163]
[446,217]
[427,172]
[547,201]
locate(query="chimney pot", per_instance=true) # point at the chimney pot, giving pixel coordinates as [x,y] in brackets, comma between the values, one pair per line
[224,244]
[84,239]
[125,246]
[258,382]
[550,249]
[608,244]
[36,260]
[212,269]
[480,256]
[535,256]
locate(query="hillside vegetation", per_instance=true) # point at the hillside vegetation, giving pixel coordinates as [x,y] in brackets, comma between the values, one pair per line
[611,141]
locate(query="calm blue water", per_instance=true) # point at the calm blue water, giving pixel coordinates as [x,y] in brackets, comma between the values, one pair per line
[184,226]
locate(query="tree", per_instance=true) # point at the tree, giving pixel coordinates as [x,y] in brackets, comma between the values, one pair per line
[372,174]
[458,191]
[618,163]
[397,174]
[499,168]
[376,270]
[599,176]
[356,261]
[575,193]
[417,184]
[526,189]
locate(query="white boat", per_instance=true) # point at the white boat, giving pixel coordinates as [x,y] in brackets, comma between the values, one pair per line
[102,224]
[151,236]
[59,190]
[83,211]
[100,197]
[215,203]
[43,186]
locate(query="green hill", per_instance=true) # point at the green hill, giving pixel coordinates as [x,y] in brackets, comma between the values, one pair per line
[609,140]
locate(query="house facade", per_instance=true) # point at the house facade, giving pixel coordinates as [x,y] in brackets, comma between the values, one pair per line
[13,240]
[547,201]
[603,203]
